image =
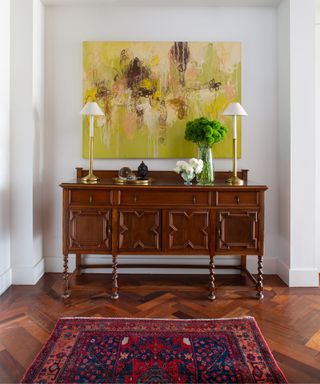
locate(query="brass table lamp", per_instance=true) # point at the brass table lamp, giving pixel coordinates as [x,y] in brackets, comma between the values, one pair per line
[91,109]
[234,110]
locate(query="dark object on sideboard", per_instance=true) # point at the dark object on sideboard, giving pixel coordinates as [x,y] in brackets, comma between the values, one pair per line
[142,171]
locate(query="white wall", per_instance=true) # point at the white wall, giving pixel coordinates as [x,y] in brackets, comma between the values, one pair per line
[26,114]
[66,28]
[318,134]
[38,116]
[303,264]
[284,147]
[5,263]
[297,144]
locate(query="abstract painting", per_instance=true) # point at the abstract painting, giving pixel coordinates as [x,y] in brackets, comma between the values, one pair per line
[149,90]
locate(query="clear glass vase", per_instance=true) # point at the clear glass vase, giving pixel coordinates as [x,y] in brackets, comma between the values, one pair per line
[187,177]
[206,177]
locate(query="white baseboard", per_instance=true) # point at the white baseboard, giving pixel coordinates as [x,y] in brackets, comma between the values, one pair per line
[5,280]
[55,264]
[283,271]
[28,275]
[269,265]
[298,277]
[304,277]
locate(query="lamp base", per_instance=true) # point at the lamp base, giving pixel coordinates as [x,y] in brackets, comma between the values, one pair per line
[234,180]
[90,179]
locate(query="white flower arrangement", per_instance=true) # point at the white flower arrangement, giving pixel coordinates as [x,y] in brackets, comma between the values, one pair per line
[197,165]
[189,169]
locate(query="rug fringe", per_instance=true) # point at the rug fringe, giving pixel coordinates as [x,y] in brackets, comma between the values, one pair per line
[156,318]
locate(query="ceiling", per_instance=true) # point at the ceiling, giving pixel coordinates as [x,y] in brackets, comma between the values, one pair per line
[180,3]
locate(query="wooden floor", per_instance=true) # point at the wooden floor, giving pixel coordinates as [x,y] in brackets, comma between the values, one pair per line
[288,318]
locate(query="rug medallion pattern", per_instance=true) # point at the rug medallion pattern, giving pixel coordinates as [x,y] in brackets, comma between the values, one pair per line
[98,350]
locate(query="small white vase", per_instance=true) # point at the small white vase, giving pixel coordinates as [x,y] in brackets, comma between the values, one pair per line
[187,177]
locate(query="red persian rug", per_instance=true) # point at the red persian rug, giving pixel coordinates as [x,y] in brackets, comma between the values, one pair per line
[100,350]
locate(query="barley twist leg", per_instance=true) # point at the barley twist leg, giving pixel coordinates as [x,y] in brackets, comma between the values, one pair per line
[212,295]
[66,292]
[115,287]
[260,295]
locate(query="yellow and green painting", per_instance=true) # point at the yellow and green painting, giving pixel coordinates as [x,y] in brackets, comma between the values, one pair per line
[149,90]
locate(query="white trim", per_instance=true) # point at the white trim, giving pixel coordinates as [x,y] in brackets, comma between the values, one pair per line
[303,207]
[304,277]
[39,270]
[160,3]
[269,265]
[5,280]
[283,271]
[55,264]
[28,275]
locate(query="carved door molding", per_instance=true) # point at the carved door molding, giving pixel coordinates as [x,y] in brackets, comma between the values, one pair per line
[90,229]
[139,230]
[237,230]
[188,229]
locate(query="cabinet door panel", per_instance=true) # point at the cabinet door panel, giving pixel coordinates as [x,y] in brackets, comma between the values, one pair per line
[89,229]
[237,230]
[139,230]
[188,230]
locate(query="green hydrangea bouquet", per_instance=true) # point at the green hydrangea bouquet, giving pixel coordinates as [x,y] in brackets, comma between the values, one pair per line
[205,132]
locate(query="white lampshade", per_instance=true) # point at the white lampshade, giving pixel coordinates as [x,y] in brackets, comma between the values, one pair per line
[91,108]
[235,109]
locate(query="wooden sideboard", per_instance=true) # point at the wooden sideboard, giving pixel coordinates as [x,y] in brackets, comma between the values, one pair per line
[164,218]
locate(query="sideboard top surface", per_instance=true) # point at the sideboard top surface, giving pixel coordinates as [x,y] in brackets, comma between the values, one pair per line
[161,179]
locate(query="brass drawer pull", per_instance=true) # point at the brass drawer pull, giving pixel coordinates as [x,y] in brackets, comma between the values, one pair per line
[90,199]
[135,197]
[219,232]
[194,199]
[237,199]
[109,230]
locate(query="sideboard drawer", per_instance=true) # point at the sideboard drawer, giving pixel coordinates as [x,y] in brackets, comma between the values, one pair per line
[165,198]
[237,198]
[93,197]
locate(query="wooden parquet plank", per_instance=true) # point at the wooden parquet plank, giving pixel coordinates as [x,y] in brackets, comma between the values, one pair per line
[238,312]
[42,319]
[294,351]
[107,309]
[288,318]
[304,373]
[280,299]
[35,330]
[314,341]
[11,321]
[190,312]
[163,310]
[155,302]
[10,370]
[10,315]
[196,306]
[14,342]
[280,331]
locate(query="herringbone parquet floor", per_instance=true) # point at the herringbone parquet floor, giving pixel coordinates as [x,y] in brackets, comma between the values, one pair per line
[288,318]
